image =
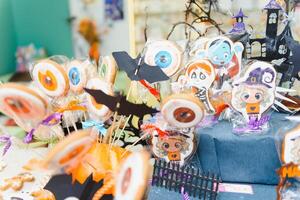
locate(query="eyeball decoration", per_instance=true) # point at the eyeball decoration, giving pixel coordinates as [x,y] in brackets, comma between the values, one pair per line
[73,147]
[51,78]
[98,111]
[22,104]
[254,93]
[200,75]
[77,74]
[164,54]
[108,69]
[132,178]
[182,110]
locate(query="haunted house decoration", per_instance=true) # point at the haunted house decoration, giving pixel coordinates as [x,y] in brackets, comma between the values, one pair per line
[273,46]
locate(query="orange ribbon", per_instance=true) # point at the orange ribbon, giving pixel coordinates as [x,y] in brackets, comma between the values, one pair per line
[150,128]
[72,106]
[151,89]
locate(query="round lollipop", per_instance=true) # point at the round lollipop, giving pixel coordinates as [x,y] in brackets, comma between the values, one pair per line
[51,78]
[77,74]
[22,104]
[131,181]
[182,110]
[98,110]
[164,54]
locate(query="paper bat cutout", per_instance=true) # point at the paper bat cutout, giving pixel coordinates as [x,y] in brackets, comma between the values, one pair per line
[120,104]
[137,69]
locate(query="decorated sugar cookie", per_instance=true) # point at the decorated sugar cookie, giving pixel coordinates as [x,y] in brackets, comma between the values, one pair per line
[254,93]
[108,69]
[98,111]
[200,76]
[77,74]
[182,110]
[51,78]
[70,149]
[165,54]
[22,104]
[174,147]
[132,178]
[226,57]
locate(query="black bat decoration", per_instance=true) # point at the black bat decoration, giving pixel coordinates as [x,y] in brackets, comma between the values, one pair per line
[137,69]
[120,104]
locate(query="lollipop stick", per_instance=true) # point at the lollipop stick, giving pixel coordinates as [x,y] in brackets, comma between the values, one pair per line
[119,124]
[127,149]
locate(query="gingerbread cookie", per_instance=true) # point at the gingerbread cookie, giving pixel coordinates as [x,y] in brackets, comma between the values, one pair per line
[164,54]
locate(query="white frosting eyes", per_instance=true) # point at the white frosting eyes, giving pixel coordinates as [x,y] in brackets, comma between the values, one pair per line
[98,111]
[51,78]
[77,74]
[165,55]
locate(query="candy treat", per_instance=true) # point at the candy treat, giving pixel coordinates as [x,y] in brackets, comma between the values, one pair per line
[98,111]
[77,72]
[108,69]
[165,54]
[175,146]
[254,93]
[182,110]
[226,57]
[200,76]
[132,178]
[69,150]
[51,78]
[22,104]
